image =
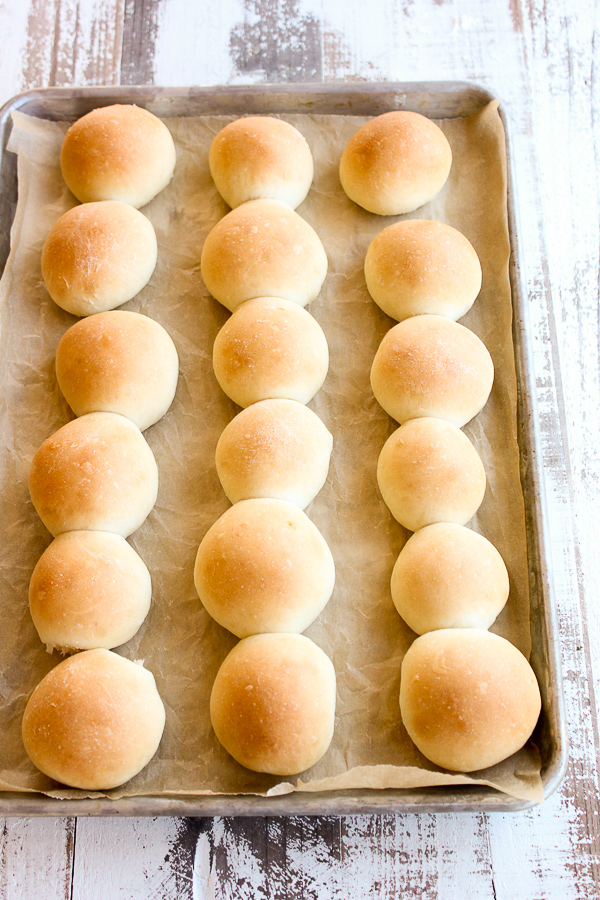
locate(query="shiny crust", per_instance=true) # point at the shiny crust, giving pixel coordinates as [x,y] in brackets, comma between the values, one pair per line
[468,698]
[395,163]
[448,576]
[260,157]
[98,256]
[277,449]
[428,471]
[431,366]
[273,703]
[270,348]
[96,473]
[417,266]
[263,249]
[89,589]
[119,362]
[118,152]
[94,721]
[264,567]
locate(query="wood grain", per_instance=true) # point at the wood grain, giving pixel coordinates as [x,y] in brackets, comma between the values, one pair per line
[541,59]
[36,858]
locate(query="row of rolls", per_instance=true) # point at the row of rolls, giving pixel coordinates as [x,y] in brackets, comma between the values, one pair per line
[263,570]
[96,719]
[468,697]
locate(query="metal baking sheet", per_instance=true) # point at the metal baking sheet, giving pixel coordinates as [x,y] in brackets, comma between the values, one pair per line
[438,100]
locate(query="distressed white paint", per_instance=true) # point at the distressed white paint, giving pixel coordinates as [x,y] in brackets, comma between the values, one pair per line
[36,859]
[538,57]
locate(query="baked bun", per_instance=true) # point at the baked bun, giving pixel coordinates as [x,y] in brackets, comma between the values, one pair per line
[94,721]
[119,362]
[263,566]
[429,471]
[431,366]
[89,589]
[270,348]
[272,705]
[261,158]
[448,576]
[118,153]
[416,266]
[395,163]
[96,473]
[98,256]
[468,698]
[263,249]
[275,448]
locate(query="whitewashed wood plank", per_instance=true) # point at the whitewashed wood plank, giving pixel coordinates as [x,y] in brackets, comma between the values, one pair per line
[133,859]
[239,41]
[343,858]
[13,22]
[72,42]
[36,857]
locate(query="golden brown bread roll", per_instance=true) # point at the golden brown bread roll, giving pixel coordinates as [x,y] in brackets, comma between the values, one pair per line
[264,567]
[417,266]
[98,256]
[395,163]
[468,698]
[119,362]
[94,721]
[432,366]
[97,473]
[274,448]
[261,158]
[448,576]
[272,705]
[89,589]
[118,152]
[263,249]
[428,471]
[270,348]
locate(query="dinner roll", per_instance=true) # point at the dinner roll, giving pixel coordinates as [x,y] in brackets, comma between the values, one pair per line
[270,348]
[89,589]
[395,163]
[429,471]
[98,256]
[119,362]
[261,158]
[96,473]
[432,366]
[118,152]
[275,448]
[272,705]
[468,698]
[448,576]
[263,566]
[94,721]
[263,249]
[416,266]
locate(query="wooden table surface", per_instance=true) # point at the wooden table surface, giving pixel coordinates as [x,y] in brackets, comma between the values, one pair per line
[539,56]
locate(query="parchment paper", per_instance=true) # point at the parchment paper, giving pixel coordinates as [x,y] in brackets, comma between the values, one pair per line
[359,629]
